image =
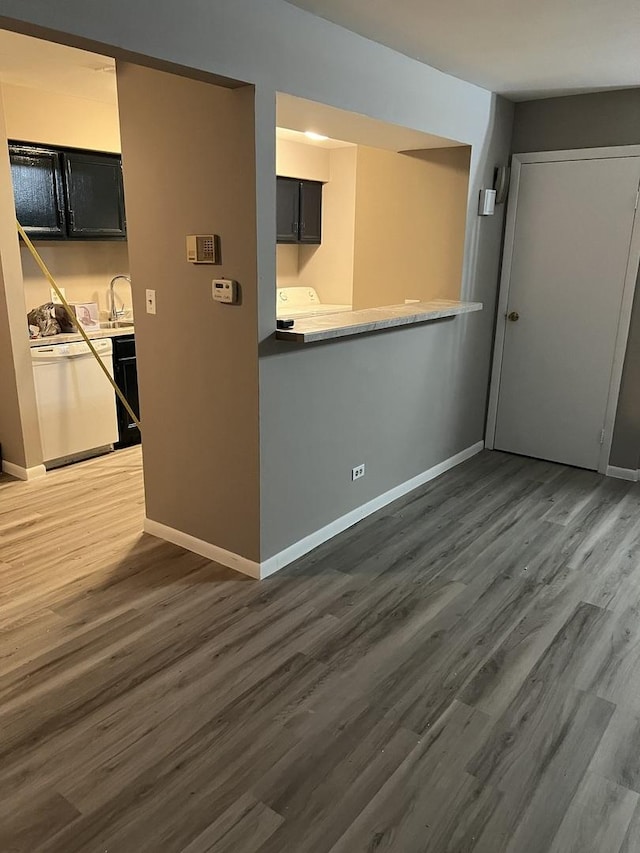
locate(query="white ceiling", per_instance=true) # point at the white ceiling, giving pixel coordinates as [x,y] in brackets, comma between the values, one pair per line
[519,48]
[53,67]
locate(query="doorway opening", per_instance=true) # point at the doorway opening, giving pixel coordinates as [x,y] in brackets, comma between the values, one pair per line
[141,286]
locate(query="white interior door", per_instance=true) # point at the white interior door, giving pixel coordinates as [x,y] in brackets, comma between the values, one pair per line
[571,242]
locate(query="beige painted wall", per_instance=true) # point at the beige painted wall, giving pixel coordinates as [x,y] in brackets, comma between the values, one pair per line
[33,115]
[393,225]
[298,160]
[19,431]
[83,269]
[329,267]
[410,225]
[197,359]
[287,265]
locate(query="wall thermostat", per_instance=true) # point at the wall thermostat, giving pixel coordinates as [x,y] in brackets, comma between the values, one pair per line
[225,290]
[203,248]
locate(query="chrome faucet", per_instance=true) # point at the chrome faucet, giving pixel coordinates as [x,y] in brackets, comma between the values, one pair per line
[114,314]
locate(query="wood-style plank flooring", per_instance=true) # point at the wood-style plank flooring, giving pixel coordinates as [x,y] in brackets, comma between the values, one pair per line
[459,673]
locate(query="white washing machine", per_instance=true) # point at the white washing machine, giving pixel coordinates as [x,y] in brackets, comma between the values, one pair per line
[292,302]
[76,403]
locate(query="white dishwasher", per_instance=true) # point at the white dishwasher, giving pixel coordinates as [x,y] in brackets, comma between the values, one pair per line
[76,403]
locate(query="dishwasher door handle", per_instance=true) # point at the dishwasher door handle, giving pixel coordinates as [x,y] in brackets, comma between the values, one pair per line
[50,354]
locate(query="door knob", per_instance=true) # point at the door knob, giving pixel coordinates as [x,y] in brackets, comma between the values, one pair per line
[513,316]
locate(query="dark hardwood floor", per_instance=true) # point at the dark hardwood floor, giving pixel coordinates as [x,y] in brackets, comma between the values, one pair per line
[459,673]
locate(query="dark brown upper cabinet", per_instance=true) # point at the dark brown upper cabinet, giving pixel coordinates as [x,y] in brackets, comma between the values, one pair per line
[288,210]
[299,211]
[38,191]
[95,199]
[310,212]
[65,194]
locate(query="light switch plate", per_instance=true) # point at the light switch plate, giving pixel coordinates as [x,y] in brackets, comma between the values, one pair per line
[151,301]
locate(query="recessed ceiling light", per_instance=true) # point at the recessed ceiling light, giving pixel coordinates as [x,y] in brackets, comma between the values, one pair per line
[318,137]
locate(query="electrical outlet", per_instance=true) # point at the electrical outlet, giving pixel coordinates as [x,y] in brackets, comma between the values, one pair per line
[357,472]
[151,302]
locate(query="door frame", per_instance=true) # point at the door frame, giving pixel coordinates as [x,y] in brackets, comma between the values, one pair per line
[622,335]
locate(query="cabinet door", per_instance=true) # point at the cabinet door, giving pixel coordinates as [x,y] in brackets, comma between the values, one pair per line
[95,198]
[287,210]
[310,212]
[37,190]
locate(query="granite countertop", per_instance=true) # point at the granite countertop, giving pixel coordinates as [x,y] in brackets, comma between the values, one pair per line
[73,337]
[325,327]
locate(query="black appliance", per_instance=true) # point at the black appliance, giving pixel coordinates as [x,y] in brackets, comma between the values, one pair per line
[125,373]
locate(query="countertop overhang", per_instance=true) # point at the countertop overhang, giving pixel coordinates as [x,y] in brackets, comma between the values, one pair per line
[326,327]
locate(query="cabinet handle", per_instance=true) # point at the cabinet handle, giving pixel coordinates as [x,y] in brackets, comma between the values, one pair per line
[72,219]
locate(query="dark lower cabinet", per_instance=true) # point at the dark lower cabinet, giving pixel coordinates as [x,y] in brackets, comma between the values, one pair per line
[38,191]
[125,373]
[298,211]
[95,197]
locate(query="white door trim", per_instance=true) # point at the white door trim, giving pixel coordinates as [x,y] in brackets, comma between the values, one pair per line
[633,261]
[622,337]
[612,151]
[503,301]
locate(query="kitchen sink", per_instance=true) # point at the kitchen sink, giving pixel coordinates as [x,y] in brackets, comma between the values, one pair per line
[117,324]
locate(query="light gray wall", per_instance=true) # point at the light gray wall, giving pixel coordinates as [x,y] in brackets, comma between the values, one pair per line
[402,401]
[594,121]
[398,401]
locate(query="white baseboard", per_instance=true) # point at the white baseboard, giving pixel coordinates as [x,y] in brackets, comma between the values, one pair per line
[204,549]
[299,549]
[21,473]
[623,473]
